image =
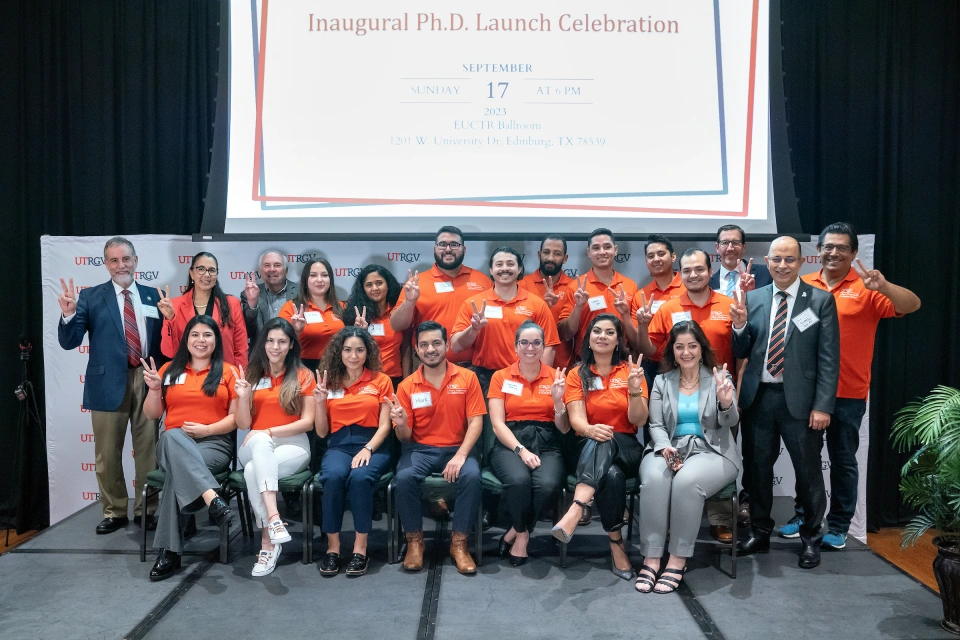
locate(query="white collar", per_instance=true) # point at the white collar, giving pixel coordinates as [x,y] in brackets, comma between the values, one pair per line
[791,291]
[118,290]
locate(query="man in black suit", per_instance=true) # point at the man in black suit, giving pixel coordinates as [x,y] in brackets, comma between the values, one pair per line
[731,244]
[789,332]
[122,320]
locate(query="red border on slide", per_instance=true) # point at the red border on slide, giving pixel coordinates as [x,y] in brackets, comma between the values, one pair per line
[504,203]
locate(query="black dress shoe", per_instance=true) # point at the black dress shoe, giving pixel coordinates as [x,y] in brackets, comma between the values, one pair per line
[486,520]
[219,511]
[167,562]
[109,525]
[517,561]
[330,565]
[357,565]
[810,554]
[503,547]
[151,521]
[756,543]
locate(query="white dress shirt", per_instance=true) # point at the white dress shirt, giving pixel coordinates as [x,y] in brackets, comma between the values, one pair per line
[724,280]
[791,292]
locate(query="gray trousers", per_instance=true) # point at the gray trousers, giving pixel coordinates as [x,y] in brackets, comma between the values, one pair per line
[675,500]
[189,465]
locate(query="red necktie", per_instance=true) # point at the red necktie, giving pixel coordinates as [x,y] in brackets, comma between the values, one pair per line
[778,338]
[130,330]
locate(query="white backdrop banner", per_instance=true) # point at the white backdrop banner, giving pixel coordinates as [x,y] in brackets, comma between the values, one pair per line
[164,260]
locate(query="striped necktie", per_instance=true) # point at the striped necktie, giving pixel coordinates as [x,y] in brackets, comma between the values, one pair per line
[778,338]
[130,330]
[732,278]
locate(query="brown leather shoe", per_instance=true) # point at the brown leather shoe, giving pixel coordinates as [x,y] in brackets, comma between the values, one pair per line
[413,561]
[721,534]
[586,517]
[459,553]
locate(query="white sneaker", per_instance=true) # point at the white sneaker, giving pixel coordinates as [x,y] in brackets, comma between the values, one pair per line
[278,532]
[266,562]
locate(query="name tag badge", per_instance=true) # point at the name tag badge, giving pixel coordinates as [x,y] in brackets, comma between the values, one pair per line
[680,316]
[597,303]
[656,305]
[376,329]
[313,317]
[264,383]
[512,387]
[150,311]
[334,395]
[443,287]
[493,312]
[806,320]
[596,385]
[421,400]
[180,380]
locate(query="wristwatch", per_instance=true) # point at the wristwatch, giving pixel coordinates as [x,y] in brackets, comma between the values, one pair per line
[518,449]
[368,448]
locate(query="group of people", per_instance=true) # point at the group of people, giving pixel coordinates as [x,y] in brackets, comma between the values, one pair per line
[591,377]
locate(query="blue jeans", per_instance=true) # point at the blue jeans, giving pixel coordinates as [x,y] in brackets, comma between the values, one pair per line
[340,481]
[843,440]
[419,461]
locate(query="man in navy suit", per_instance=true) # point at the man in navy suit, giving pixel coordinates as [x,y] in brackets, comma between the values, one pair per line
[124,326]
[731,245]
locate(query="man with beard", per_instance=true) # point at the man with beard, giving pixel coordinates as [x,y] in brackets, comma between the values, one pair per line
[439,293]
[731,245]
[437,413]
[262,302]
[124,327]
[552,284]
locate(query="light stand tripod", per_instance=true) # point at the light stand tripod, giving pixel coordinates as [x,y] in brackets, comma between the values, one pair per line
[28,411]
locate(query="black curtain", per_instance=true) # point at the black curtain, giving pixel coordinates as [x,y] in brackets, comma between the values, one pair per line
[873,102]
[106,119]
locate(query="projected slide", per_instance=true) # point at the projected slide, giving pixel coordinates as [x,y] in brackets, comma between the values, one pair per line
[497,116]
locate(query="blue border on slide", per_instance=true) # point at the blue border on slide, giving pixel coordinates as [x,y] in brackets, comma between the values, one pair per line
[265,206]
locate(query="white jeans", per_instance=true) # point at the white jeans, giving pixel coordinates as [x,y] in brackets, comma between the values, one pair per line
[265,460]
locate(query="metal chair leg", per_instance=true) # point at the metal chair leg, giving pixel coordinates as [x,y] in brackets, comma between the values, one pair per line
[479,541]
[393,535]
[143,525]
[735,504]
[306,508]
[563,545]
[633,499]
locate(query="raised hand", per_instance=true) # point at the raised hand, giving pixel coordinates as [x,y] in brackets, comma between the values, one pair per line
[635,379]
[68,298]
[320,392]
[242,387]
[479,319]
[411,288]
[559,386]
[620,301]
[580,296]
[738,310]
[872,278]
[361,320]
[164,305]
[724,386]
[748,282]
[252,290]
[645,310]
[549,295]
[397,414]
[150,375]
[298,319]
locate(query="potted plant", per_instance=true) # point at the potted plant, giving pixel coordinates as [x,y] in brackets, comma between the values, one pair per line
[930,482]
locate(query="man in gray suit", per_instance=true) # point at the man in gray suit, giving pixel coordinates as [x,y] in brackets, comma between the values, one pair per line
[790,334]
[262,302]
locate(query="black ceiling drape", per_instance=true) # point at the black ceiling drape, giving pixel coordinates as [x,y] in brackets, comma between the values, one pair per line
[106,119]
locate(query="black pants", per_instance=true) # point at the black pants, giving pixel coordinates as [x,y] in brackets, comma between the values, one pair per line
[606,466]
[770,420]
[526,491]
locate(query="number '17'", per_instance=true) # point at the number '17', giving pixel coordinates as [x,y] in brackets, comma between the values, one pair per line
[499,85]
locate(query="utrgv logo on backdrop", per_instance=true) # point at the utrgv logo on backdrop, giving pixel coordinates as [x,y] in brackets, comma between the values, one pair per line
[88,466]
[302,257]
[353,272]
[90,496]
[403,257]
[622,257]
[185,259]
[243,275]
[84,348]
[146,275]
[88,261]
[86,437]
[571,273]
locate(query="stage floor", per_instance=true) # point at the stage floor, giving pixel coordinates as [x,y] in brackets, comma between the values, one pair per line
[68,582]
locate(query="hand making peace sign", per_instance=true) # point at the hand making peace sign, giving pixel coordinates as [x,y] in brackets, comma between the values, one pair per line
[68,298]
[479,319]
[164,305]
[645,310]
[549,295]
[724,386]
[559,386]
[397,413]
[580,296]
[872,278]
[738,310]
[242,387]
[411,288]
[748,282]
[320,392]
[150,376]
[252,291]
[361,320]
[635,379]
[620,301]
[298,319]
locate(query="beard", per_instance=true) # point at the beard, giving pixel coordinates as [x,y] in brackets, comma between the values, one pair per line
[457,260]
[550,268]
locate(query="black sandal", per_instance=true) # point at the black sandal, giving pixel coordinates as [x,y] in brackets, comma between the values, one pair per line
[645,579]
[672,583]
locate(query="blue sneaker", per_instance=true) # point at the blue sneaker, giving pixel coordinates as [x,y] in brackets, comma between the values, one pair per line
[834,540]
[792,528]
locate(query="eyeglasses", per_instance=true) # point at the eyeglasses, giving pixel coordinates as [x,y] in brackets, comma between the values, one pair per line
[779,259]
[736,244]
[202,270]
[526,343]
[449,245]
[839,248]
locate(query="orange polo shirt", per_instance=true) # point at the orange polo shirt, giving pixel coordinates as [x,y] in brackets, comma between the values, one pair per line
[267,412]
[441,298]
[318,330]
[389,342]
[494,346]
[602,296]
[713,318]
[185,400]
[562,351]
[360,402]
[607,405]
[522,399]
[859,311]
[438,418]
[674,290]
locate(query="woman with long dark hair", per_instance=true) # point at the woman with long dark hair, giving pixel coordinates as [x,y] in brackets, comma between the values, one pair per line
[315,314]
[606,398]
[351,408]
[372,298]
[271,404]
[197,393]
[204,297]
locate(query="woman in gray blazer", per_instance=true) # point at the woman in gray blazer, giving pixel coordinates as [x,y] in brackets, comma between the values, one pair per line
[692,408]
